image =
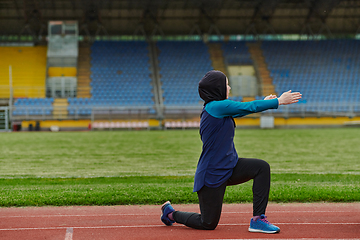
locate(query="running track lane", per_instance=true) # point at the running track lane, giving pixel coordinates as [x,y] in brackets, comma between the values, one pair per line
[297,221]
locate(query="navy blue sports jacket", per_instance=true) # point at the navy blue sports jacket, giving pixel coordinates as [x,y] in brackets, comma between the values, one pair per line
[217,128]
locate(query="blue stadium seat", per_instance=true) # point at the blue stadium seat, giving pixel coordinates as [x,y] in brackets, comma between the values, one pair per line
[33,106]
[236,52]
[324,71]
[120,69]
[182,64]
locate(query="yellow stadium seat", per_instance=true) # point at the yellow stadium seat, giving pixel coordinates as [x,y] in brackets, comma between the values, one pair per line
[28,71]
[62,71]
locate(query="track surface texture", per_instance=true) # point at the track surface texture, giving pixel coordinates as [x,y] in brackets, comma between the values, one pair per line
[305,221]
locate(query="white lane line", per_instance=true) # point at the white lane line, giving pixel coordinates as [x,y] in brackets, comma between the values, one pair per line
[93,227]
[69,234]
[79,215]
[155,214]
[161,225]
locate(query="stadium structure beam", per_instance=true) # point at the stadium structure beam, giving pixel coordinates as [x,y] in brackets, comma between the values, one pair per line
[73,5]
[17,7]
[261,18]
[352,8]
[92,16]
[140,29]
[131,18]
[224,15]
[209,12]
[33,20]
[149,21]
[319,11]
[212,22]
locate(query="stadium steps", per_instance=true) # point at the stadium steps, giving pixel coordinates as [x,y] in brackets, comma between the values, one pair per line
[263,73]
[83,80]
[60,107]
[217,57]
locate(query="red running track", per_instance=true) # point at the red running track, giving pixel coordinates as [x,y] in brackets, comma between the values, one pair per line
[297,221]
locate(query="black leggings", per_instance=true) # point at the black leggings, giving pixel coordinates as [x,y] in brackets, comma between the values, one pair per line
[211,199]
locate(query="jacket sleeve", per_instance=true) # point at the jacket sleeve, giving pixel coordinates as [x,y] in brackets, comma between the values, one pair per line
[226,108]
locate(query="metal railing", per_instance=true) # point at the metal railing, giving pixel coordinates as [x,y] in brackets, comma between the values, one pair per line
[317,109]
[22,92]
[81,112]
[41,92]
[339,109]
[135,112]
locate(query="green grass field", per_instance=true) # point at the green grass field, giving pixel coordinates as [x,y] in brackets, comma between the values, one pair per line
[149,167]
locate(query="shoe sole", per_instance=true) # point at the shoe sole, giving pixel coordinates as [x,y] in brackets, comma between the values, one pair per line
[162,206]
[262,231]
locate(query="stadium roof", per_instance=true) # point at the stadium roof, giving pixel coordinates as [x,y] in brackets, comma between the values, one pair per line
[182,17]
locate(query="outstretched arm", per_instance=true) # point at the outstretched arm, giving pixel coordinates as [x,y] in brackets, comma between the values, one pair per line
[226,108]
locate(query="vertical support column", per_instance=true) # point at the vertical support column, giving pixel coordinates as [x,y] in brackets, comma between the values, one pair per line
[159,105]
[11,91]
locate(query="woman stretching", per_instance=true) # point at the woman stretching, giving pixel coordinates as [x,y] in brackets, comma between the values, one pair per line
[219,165]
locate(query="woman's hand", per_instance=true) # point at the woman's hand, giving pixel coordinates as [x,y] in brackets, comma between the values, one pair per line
[271,96]
[289,97]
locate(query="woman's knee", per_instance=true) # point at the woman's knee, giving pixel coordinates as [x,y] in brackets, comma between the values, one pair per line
[210,225]
[264,165]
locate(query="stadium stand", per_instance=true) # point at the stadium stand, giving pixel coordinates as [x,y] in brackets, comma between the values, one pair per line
[236,52]
[236,98]
[326,72]
[28,71]
[217,56]
[182,64]
[121,78]
[263,72]
[120,75]
[33,106]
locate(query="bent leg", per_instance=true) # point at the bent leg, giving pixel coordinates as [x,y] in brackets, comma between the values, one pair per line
[210,200]
[259,170]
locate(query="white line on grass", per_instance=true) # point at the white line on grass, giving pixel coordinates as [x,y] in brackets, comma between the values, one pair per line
[155,226]
[140,174]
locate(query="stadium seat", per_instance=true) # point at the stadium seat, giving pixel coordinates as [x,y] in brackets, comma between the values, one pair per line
[33,106]
[120,76]
[236,53]
[323,71]
[182,64]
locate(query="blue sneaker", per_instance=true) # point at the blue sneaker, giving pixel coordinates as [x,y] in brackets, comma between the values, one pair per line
[262,225]
[166,208]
